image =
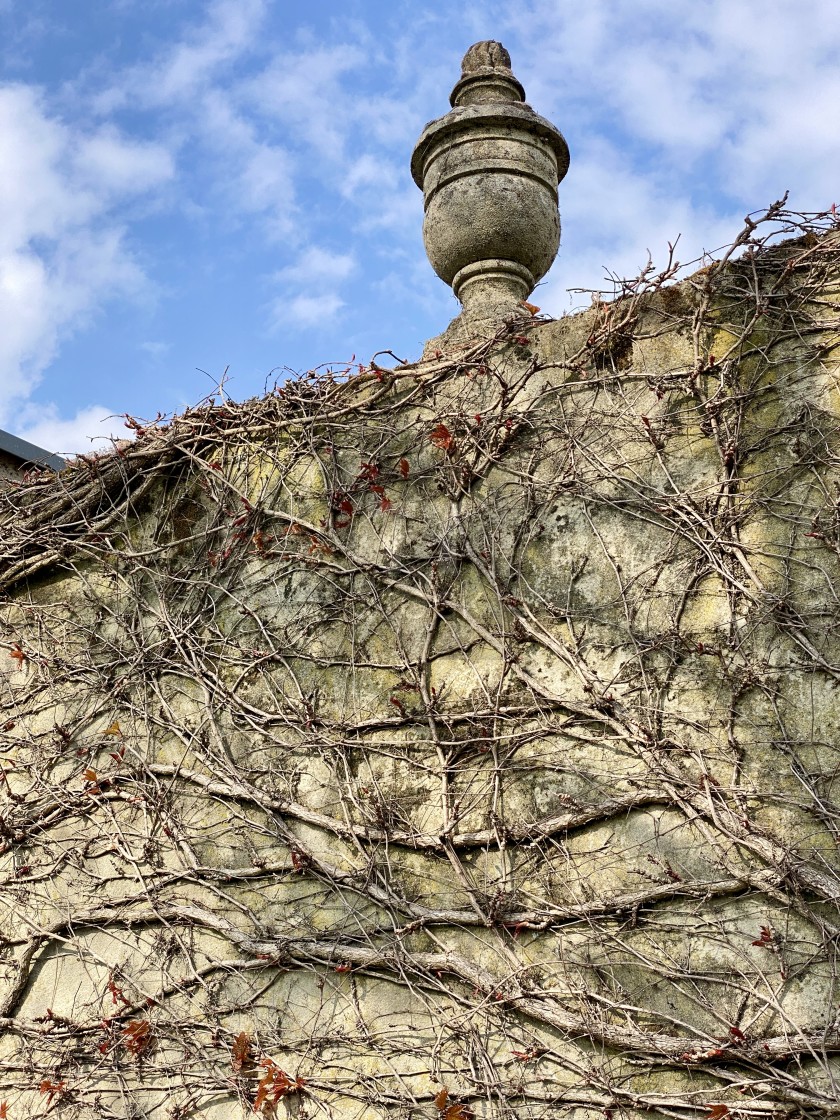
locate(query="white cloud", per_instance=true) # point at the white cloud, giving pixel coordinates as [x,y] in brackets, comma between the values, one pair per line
[91,429]
[307,310]
[254,176]
[115,167]
[231,26]
[193,90]
[305,92]
[63,251]
[316,266]
[156,350]
[689,79]
[190,65]
[310,288]
[366,172]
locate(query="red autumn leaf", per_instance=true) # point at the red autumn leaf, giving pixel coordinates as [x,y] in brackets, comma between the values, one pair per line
[281,1086]
[442,437]
[3,1110]
[404,468]
[457,1112]
[117,993]
[532,307]
[343,967]
[136,1036]
[385,504]
[241,1051]
[18,654]
[274,1084]
[766,937]
[717,1112]
[51,1088]
[737,1034]
[262,1093]
[453,1111]
[398,704]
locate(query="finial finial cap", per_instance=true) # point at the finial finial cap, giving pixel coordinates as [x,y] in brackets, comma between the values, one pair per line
[487,53]
[486,76]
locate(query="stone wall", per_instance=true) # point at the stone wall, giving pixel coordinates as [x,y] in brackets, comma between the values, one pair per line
[453,740]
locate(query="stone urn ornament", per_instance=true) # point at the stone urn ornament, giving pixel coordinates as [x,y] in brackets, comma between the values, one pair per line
[489,172]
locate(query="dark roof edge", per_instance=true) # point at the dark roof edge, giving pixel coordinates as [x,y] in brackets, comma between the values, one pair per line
[29,452]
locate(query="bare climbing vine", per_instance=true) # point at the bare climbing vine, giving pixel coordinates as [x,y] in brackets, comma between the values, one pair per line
[447,740]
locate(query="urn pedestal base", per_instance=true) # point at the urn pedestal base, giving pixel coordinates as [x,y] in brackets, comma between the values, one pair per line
[491,293]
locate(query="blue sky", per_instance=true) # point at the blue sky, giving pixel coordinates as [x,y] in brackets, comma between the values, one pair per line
[190,185]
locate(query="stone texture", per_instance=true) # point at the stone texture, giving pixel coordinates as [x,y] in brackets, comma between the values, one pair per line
[472,725]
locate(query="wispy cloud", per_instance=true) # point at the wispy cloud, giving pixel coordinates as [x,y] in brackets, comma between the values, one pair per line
[192,88]
[310,288]
[307,310]
[306,92]
[155,349]
[253,176]
[191,64]
[615,217]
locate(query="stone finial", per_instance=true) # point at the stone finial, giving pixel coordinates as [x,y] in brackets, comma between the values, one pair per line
[486,76]
[489,172]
